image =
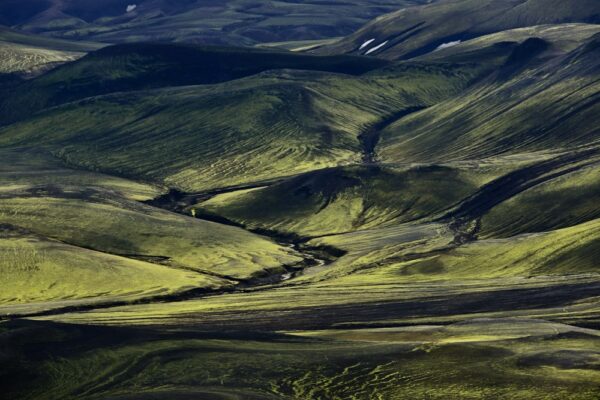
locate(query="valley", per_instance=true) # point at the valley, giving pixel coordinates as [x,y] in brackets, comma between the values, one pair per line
[182,217]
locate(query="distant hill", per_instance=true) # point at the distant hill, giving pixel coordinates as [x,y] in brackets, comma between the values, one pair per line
[27,55]
[414,31]
[231,22]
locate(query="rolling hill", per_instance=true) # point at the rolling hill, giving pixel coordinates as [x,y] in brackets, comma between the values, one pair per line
[187,221]
[231,22]
[270,125]
[414,31]
[345,199]
[140,66]
[30,55]
[117,248]
[529,106]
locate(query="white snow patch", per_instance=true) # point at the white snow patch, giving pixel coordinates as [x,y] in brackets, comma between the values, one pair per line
[377,47]
[131,7]
[446,45]
[365,44]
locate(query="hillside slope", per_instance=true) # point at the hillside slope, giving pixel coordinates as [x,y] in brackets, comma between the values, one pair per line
[151,65]
[530,105]
[414,31]
[267,126]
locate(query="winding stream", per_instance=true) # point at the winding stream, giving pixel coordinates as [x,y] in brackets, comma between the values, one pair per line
[313,256]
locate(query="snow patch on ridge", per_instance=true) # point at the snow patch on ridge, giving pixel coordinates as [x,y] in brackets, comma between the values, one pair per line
[377,47]
[446,45]
[365,44]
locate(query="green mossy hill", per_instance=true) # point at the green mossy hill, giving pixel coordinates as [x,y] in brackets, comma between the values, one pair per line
[562,38]
[573,250]
[139,66]
[529,105]
[43,274]
[28,55]
[415,31]
[274,124]
[115,226]
[345,199]
[569,199]
[85,210]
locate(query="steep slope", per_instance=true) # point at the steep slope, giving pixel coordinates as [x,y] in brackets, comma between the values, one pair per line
[572,250]
[143,66]
[531,104]
[32,54]
[37,270]
[562,38]
[418,30]
[24,56]
[567,200]
[345,199]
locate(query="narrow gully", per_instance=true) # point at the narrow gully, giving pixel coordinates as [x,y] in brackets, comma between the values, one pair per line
[370,137]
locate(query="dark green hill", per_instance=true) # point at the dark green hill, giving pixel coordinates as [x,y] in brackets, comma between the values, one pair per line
[419,30]
[530,104]
[274,124]
[144,66]
[345,199]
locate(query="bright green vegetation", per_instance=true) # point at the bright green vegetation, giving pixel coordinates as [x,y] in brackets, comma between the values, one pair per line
[51,273]
[27,60]
[415,31]
[120,227]
[345,199]
[567,200]
[567,251]
[31,55]
[25,170]
[234,22]
[91,229]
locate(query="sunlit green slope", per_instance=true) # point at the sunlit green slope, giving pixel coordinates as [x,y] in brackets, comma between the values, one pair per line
[51,273]
[346,199]
[72,237]
[569,199]
[87,219]
[32,54]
